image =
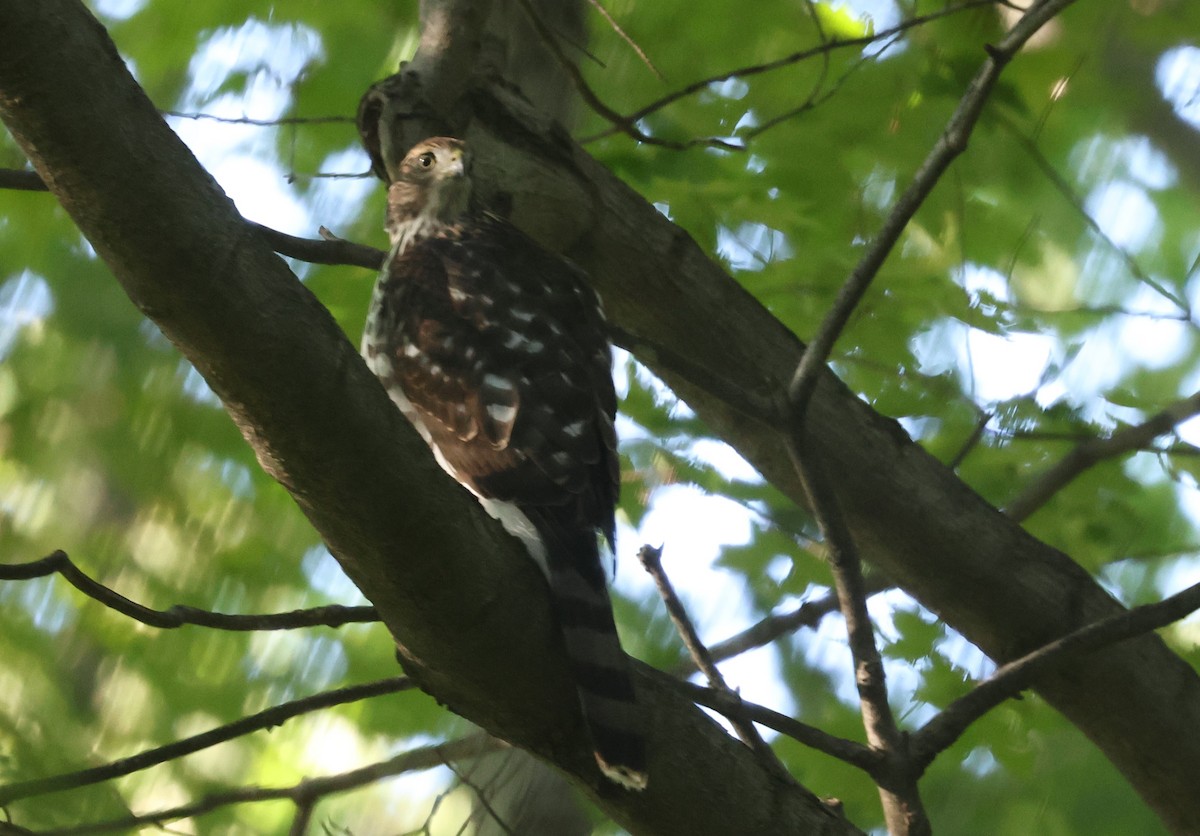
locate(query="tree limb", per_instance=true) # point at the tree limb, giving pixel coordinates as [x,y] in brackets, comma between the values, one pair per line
[808,614]
[733,706]
[314,251]
[178,616]
[1009,680]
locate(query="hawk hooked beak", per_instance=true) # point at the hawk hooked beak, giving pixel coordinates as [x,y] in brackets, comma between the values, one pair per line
[457,160]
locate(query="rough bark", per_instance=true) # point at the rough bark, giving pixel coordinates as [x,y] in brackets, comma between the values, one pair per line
[467,609]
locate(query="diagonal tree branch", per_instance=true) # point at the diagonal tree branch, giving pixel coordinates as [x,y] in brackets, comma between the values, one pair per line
[733,706]
[897,781]
[1009,680]
[808,614]
[898,784]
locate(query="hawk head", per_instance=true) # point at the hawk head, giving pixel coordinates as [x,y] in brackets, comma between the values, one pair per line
[431,189]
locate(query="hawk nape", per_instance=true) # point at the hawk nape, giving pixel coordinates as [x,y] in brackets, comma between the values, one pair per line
[496,350]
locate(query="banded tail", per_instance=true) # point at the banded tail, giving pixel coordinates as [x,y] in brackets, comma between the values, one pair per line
[599,666]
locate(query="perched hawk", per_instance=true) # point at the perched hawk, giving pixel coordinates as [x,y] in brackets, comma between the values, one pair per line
[496,350]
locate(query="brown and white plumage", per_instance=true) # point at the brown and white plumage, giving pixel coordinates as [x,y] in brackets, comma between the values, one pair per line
[496,350]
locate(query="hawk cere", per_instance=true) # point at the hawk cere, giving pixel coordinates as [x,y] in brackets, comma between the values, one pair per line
[496,350]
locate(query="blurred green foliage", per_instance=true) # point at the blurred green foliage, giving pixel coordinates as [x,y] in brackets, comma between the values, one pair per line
[1042,291]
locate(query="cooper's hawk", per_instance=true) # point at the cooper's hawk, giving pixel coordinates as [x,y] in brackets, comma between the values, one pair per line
[496,350]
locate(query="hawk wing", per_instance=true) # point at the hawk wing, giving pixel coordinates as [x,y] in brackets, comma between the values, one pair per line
[502,350]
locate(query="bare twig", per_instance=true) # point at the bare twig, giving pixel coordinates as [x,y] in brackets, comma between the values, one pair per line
[972,441]
[415,760]
[1180,448]
[21,180]
[1095,450]
[178,616]
[275,716]
[1069,194]
[897,783]
[808,614]
[483,800]
[627,123]
[264,123]
[1009,680]
[616,27]
[325,251]
[731,705]
[651,559]
[581,86]
[433,809]
[303,817]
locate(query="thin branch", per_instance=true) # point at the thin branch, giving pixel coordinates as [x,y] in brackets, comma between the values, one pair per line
[952,142]
[628,122]
[1181,448]
[816,98]
[808,614]
[433,809]
[581,86]
[1065,189]
[972,441]
[1010,679]
[415,760]
[616,27]
[264,123]
[324,251]
[21,180]
[651,559]
[897,783]
[303,817]
[178,616]
[270,718]
[483,801]
[1095,450]
[731,705]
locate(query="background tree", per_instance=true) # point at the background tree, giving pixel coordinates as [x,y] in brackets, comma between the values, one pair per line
[1031,329]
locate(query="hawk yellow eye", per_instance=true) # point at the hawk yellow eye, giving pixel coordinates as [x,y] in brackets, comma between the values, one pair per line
[426,160]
